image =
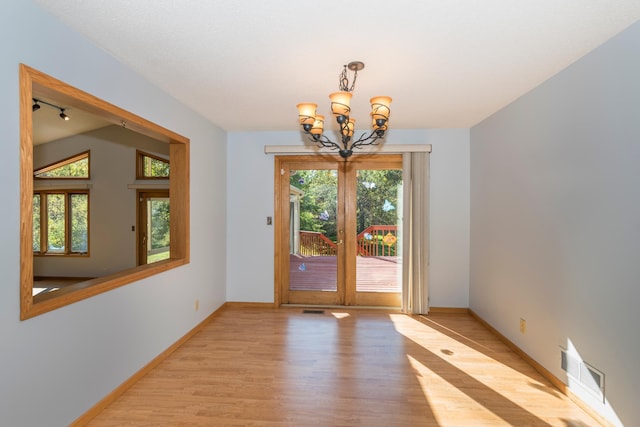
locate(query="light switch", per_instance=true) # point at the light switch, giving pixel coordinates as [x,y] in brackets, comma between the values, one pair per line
[269,220]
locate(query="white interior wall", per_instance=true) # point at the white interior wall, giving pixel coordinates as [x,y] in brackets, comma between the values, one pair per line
[57,365]
[555,229]
[250,200]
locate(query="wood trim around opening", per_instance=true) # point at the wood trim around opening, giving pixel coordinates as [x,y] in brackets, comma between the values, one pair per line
[34,82]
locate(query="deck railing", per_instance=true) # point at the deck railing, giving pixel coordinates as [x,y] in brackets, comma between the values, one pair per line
[375,240]
[378,240]
[313,243]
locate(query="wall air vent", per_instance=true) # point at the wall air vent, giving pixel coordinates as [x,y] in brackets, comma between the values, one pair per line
[585,374]
[592,379]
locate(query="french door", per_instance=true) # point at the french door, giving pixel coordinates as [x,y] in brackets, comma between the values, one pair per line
[337,230]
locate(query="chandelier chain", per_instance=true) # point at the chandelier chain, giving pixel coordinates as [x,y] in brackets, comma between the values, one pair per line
[344,80]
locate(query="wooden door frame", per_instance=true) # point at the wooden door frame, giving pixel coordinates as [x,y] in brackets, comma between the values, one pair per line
[141,213]
[283,164]
[347,193]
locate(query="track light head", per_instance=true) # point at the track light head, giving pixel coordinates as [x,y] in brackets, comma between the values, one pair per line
[36,106]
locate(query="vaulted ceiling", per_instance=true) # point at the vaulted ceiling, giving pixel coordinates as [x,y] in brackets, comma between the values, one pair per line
[246,64]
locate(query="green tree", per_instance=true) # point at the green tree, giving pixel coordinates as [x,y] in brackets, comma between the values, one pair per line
[36,222]
[79,222]
[160,223]
[319,202]
[55,222]
[155,168]
[377,197]
[77,169]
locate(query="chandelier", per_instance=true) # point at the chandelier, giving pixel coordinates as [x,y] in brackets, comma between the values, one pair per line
[313,124]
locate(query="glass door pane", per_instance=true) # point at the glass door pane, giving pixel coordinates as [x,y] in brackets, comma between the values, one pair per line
[313,230]
[378,198]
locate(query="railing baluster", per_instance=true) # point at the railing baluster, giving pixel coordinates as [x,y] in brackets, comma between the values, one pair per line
[313,243]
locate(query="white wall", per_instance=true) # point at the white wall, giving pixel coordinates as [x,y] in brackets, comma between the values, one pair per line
[57,365]
[250,200]
[555,220]
[112,205]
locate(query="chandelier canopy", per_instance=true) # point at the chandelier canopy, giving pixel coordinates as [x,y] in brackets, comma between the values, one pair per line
[313,123]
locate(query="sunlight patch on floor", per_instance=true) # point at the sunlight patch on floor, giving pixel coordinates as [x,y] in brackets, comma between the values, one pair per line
[472,373]
[449,399]
[37,291]
[340,315]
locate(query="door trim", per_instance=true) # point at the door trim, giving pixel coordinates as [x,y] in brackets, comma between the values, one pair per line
[346,294]
[141,215]
[281,229]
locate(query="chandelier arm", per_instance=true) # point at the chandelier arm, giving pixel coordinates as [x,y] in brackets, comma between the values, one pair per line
[363,140]
[323,141]
[370,139]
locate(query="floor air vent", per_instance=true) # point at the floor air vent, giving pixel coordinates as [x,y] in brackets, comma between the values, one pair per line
[313,311]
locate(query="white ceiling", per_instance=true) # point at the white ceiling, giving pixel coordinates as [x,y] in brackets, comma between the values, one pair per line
[246,64]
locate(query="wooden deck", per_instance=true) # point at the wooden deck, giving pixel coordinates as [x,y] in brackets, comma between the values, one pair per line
[318,273]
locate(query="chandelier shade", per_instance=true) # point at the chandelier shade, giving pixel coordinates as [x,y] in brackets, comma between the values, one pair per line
[340,103]
[307,113]
[318,125]
[380,107]
[349,128]
[313,123]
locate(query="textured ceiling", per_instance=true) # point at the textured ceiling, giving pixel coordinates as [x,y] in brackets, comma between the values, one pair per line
[246,64]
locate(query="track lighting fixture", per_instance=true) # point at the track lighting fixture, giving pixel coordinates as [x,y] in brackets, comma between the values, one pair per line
[36,107]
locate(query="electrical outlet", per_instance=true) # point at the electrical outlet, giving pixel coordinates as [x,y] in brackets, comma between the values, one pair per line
[197,305]
[523,326]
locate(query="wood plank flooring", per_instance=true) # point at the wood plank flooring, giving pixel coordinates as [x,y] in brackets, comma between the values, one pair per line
[266,367]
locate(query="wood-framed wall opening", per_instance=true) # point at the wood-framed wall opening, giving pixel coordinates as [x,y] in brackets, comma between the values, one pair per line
[35,83]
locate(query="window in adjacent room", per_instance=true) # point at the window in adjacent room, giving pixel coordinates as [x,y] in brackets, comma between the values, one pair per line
[61,216]
[74,167]
[149,166]
[61,222]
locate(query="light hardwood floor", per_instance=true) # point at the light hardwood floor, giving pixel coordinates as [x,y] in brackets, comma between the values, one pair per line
[265,367]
